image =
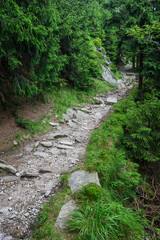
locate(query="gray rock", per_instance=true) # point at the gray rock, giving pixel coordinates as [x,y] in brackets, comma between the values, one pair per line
[1,236]
[45,170]
[75,121]
[53,124]
[8,168]
[29,173]
[64,215]
[46,144]
[107,63]
[11,179]
[66,143]
[108,76]
[2,161]
[56,136]
[98,101]
[78,140]
[15,143]
[71,113]
[65,118]
[112,100]
[8,238]
[4,211]
[18,174]
[41,154]
[82,178]
[85,110]
[81,115]
[28,149]
[36,144]
[70,123]
[65,147]
[47,193]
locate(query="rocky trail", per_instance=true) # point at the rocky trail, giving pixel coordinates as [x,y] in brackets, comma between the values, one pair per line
[33,170]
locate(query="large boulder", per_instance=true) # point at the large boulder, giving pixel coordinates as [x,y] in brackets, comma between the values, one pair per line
[82,178]
[108,76]
[64,215]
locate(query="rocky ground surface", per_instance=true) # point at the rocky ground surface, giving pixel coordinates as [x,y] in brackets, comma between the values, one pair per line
[33,171]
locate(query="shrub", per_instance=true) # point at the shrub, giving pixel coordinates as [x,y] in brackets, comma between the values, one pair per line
[91,191]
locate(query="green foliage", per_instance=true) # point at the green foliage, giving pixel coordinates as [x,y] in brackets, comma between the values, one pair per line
[142,134]
[91,192]
[64,179]
[102,220]
[43,42]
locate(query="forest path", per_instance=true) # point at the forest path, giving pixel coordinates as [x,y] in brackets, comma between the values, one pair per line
[40,162]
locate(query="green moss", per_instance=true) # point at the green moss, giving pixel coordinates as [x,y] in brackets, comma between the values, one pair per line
[91,191]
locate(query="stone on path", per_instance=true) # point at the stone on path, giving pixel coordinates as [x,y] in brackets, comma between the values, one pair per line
[78,140]
[15,143]
[53,124]
[60,136]
[2,237]
[112,100]
[64,215]
[71,113]
[46,144]
[65,117]
[8,168]
[45,170]
[82,178]
[41,154]
[70,123]
[29,173]
[47,193]
[8,179]
[66,143]
[65,147]
[98,101]
[85,110]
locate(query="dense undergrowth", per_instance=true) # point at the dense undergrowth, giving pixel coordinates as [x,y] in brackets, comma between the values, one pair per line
[115,151]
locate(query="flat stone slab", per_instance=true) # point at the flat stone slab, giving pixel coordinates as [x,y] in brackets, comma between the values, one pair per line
[46,144]
[71,113]
[112,100]
[53,124]
[82,178]
[29,174]
[8,168]
[11,179]
[65,147]
[41,154]
[64,215]
[63,142]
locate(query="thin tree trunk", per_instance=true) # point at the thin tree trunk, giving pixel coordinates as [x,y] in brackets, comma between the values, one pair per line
[141,57]
[133,63]
[137,62]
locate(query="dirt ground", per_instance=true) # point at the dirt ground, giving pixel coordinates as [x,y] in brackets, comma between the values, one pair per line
[32,110]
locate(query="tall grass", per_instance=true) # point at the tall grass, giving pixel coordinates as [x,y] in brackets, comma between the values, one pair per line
[102,220]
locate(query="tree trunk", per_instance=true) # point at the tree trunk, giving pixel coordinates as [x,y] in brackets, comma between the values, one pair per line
[133,63]
[141,57]
[137,62]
